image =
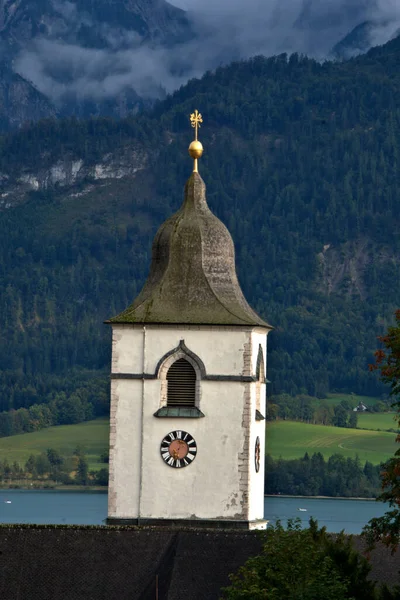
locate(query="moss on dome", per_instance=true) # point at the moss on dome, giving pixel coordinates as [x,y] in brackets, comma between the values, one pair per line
[192,278]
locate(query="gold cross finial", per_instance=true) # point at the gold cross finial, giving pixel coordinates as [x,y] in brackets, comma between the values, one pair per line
[196,148]
[196,119]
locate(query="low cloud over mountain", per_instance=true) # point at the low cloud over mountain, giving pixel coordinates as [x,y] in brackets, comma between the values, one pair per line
[109,55]
[248,27]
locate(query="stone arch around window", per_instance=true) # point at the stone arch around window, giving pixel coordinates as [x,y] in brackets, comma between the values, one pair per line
[162,370]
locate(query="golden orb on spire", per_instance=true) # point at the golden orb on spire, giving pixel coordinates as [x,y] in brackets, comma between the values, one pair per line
[196,147]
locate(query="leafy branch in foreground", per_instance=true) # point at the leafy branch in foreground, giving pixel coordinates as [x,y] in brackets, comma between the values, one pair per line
[306,564]
[387,360]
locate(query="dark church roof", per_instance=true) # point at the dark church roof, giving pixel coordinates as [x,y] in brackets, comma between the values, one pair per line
[109,563]
[192,276]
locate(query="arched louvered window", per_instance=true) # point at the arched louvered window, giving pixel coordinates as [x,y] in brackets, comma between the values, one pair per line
[181,378]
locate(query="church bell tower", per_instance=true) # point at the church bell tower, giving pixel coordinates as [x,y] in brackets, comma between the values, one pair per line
[187,431]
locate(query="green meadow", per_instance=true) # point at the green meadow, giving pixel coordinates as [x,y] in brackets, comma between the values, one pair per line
[286,439]
[381,421]
[289,439]
[92,436]
[352,399]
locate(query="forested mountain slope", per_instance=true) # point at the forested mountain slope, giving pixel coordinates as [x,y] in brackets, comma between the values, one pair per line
[20,101]
[301,163]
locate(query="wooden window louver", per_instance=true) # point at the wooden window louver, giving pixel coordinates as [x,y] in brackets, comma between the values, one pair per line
[181,379]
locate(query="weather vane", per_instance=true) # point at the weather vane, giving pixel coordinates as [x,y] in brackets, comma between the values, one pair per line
[196,147]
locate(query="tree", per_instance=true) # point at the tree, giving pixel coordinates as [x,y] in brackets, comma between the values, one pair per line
[42,464]
[79,451]
[101,477]
[303,564]
[346,405]
[387,362]
[324,414]
[56,463]
[306,408]
[271,411]
[104,457]
[340,418]
[82,473]
[353,419]
[30,465]
[55,458]
[16,469]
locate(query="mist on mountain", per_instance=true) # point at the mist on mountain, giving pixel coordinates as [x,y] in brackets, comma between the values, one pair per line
[141,52]
[249,27]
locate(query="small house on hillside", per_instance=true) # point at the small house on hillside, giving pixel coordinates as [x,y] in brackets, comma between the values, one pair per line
[361,407]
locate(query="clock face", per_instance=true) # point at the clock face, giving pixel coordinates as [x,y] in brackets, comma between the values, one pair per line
[257,454]
[178,449]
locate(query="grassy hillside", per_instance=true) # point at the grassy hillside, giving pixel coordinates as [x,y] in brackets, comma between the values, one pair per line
[289,439]
[353,399]
[286,439]
[91,436]
[383,421]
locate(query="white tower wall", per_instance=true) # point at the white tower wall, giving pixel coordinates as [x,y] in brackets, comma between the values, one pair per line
[222,482]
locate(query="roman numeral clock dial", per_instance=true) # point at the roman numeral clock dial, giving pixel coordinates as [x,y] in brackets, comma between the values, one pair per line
[178,449]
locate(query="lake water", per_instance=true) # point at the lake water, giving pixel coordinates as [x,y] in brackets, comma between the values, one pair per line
[90,508]
[333,513]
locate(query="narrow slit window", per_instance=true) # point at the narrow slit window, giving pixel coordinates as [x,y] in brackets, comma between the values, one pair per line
[181,378]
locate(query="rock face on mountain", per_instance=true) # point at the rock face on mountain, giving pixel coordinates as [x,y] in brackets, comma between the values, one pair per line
[22,21]
[20,101]
[76,57]
[363,36]
[123,163]
[355,42]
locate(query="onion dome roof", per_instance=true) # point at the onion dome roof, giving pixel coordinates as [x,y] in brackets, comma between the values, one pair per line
[192,277]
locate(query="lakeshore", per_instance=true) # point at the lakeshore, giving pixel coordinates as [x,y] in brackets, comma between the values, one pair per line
[319,497]
[58,488]
[104,490]
[89,507]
